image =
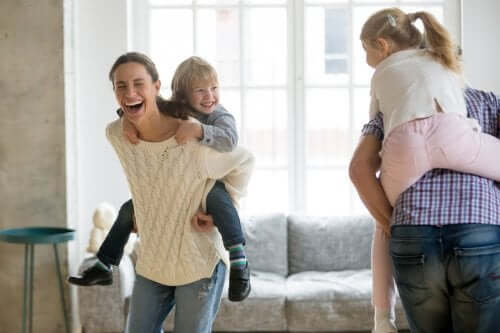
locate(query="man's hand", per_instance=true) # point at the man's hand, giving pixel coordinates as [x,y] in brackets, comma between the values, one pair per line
[188,129]
[129,131]
[363,169]
[202,222]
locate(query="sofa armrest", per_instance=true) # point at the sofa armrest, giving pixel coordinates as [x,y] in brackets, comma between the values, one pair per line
[102,308]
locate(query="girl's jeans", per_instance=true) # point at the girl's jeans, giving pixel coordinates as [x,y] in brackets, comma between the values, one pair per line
[196,304]
[219,205]
[448,277]
[445,141]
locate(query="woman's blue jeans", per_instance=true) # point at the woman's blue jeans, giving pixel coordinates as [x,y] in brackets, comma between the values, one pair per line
[219,205]
[196,304]
[448,277]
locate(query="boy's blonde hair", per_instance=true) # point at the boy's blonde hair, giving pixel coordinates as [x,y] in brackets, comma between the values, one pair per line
[396,25]
[192,70]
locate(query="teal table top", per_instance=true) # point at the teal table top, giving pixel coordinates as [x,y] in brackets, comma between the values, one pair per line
[38,235]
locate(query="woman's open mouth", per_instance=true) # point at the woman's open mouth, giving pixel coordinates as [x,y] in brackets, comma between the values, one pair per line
[134,107]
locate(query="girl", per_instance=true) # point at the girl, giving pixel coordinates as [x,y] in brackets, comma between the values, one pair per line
[419,91]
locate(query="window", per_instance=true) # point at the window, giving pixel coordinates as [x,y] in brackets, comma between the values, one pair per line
[335,41]
[293,74]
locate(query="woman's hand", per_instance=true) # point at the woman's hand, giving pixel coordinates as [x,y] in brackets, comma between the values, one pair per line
[202,222]
[129,131]
[188,129]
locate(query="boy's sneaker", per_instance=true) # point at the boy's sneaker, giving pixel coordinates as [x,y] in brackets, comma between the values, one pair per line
[94,275]
[239,284]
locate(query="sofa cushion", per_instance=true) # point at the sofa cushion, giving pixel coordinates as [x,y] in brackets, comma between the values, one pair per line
[328,243]
[263,310]
[333,301]
[266,243]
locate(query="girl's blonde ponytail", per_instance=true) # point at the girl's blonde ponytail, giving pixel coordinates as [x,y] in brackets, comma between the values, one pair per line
[438,40]
[396,25]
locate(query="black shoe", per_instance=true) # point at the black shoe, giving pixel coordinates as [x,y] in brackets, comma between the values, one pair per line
[239,284]
[92,276]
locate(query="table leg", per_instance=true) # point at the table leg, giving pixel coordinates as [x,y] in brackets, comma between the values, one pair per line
[32,278]
[61,289]
[25,293]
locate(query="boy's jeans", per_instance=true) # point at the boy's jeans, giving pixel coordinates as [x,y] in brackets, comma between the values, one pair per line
[219,205]
[111,250]
[448,277]
[225,216]
[196,304]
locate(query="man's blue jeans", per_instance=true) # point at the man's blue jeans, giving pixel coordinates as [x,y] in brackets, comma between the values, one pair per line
[448,277]
[219,205]
[196,304]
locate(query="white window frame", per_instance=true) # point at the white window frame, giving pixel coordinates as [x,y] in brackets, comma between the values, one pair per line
[139,40]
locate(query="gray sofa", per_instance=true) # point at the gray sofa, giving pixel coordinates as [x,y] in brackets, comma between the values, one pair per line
[309,274]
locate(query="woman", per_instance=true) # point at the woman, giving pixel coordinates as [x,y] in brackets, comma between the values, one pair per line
[177,264]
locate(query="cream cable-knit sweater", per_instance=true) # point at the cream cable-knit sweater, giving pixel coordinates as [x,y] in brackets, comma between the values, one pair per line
[169,183]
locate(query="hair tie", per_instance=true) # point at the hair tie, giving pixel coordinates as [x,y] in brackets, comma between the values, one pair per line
[391,20]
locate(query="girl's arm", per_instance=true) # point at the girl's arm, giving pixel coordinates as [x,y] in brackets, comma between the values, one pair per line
[363,169]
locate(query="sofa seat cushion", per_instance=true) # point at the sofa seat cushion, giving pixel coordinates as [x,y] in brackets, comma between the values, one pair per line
[333,301]
[329,301]
[263,310]
[326,286]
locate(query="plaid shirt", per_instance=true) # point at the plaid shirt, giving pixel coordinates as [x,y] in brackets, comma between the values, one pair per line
[442,196]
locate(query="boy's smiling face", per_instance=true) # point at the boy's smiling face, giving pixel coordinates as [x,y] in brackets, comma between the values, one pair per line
[204,96]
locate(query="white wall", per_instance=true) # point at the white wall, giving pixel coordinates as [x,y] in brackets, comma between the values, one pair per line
[100,37]
[95,35]
[481,36]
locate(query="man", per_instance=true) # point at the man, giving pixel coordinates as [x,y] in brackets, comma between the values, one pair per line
[445,243]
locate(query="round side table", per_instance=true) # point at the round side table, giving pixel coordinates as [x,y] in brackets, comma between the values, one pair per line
[31,236]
